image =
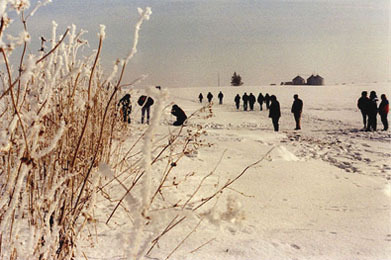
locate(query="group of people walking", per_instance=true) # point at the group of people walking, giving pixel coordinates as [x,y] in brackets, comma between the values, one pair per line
[272,105]
[367,105]
[369,110]
[249,101]
[209,96]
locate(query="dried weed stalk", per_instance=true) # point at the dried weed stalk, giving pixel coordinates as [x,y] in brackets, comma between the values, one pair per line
[58,121]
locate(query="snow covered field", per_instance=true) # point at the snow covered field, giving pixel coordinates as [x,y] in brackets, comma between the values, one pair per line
[322,193]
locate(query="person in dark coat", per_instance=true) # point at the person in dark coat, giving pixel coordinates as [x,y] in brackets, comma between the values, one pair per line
[297,108]
[245,101]
[251,101]
[274,112]
[260,100]
[209,97]
[200,97]
[383,111]
[267,100]
[362,104]
[179,114]
[145,103]
[372,111]
[126,107]
[220,96]
[237,101]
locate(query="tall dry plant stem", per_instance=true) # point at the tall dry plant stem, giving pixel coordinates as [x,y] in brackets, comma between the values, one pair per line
[85,125]
[1,25]
[229,182]
[183,240]
[21,57]
[170,226]
[51,107]
[55,47]
[14,102]
[17,80]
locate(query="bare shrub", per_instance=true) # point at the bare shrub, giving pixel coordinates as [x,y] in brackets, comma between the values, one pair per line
[58,120]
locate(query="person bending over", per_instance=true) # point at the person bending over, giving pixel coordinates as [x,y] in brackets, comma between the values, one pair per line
[179,114]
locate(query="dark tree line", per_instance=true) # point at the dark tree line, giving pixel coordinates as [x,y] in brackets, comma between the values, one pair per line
[236,80]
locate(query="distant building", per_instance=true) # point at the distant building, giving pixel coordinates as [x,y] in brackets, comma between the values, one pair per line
[315,80]
[298,81]
[287,83]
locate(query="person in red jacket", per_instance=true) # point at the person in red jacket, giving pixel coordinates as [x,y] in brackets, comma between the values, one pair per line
[383,111]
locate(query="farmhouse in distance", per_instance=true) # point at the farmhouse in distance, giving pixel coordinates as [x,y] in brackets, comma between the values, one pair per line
[313,80]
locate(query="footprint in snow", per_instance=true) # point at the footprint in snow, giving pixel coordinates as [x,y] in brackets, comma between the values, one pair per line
[295,246]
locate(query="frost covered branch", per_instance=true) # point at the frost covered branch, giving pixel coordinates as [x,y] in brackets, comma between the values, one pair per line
[229,182]
[56,94]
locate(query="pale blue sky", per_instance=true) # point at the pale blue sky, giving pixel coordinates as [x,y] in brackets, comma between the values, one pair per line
[188,42]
